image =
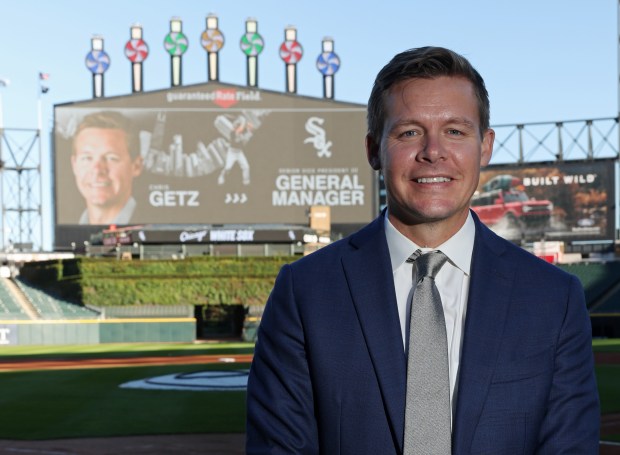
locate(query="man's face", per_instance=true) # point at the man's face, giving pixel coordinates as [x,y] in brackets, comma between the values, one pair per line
[103,167]
[430,151]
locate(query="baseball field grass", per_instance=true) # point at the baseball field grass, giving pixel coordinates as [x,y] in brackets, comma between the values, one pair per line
[608,379]
[88,402]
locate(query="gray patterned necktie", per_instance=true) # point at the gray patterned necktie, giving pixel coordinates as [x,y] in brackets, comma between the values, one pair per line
[427,410]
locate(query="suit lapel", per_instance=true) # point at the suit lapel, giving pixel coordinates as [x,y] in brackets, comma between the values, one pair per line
[371,283]
[487,307]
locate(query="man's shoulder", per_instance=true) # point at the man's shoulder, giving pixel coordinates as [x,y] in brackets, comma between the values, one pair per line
[522,260]
[330,254]
[325,256]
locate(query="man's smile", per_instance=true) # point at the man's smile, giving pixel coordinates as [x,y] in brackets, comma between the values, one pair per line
[433,179]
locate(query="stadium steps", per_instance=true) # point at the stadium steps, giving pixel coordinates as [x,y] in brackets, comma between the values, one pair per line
[13,304]
[49,307]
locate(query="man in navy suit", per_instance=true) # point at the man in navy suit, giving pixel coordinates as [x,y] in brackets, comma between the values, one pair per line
[329,374]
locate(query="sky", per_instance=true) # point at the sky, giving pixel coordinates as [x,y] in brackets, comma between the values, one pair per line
[543,61]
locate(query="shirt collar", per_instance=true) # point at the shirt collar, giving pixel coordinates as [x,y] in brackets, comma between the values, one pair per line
[458,248]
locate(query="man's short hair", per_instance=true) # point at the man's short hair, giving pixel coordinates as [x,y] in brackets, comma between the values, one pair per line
[114,121]
[423,63]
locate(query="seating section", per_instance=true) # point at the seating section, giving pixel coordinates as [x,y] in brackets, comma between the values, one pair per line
[601,282]
[10,308]
[52,308]
[609,305]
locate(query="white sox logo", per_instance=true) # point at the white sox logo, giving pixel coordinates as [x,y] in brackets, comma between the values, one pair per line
[313,127]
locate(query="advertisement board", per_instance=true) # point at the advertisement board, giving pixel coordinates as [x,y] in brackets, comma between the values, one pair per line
[203,235]
[210,153]
[560,201]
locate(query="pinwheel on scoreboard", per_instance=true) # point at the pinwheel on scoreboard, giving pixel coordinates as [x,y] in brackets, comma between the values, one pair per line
[212,41]
[176,44]
[97,61]
[291,53]
[136,50]
[328,63]
[252,44]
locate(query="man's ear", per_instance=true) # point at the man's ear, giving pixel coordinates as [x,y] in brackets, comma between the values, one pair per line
[372,153]
[136,166]
[487,147]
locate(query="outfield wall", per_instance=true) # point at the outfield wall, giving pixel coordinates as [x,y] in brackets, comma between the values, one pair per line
[21,333]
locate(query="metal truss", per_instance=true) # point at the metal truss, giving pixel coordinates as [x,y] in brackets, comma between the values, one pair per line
[20,187]
[556,141]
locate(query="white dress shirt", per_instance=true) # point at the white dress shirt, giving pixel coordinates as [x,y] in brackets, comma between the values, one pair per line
[452,282]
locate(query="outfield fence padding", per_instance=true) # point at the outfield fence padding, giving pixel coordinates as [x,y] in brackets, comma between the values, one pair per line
[152,330]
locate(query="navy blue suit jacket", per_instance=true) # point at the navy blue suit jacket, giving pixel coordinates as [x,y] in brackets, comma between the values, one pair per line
[329,371]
